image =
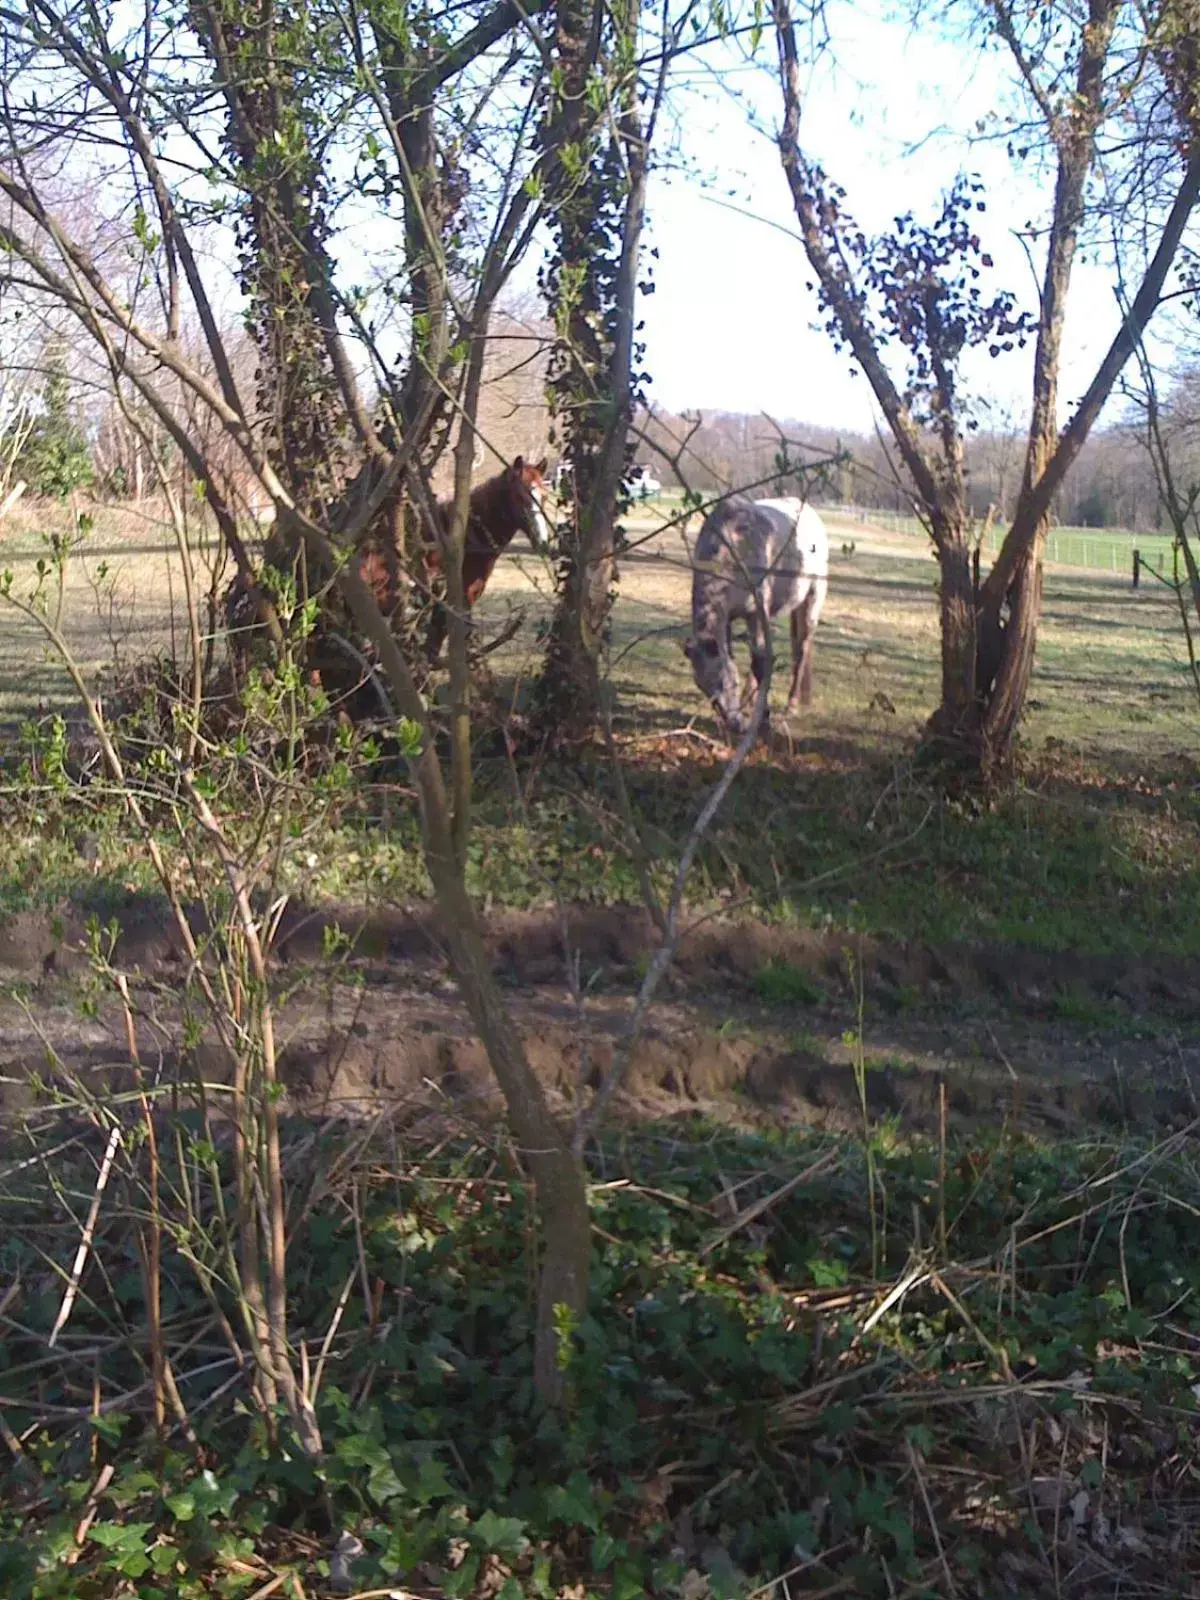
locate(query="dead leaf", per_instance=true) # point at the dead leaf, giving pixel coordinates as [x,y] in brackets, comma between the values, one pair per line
[345,1553]
[1052,1494]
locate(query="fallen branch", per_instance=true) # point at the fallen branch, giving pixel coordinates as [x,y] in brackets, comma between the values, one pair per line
[11,498]
[85,1243]
[758,1207]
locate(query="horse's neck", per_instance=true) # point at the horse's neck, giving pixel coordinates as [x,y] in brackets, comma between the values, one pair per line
[710,608]
[492,520]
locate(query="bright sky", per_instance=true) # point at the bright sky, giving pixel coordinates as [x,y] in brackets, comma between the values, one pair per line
[731,325]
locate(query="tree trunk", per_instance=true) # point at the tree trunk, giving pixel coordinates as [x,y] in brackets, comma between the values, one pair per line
[955,721]
[567,695]
[1010,687]
[594,284]
[1007,647]
[989,629]
[282,256]
[559,1178]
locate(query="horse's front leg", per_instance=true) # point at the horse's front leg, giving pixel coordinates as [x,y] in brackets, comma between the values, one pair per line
[439,622]
[759,658]
[436,636]
[806,653]
[471,595]
[801,661]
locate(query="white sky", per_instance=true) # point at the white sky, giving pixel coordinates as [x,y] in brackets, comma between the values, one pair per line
[731,325]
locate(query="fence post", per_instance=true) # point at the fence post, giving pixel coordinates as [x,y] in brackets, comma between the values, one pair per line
[1137,565]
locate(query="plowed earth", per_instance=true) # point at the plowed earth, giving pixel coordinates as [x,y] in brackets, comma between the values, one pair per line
[1045,1040]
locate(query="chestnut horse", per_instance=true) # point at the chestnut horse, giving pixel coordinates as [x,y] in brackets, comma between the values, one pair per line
[503,506]
[500,508]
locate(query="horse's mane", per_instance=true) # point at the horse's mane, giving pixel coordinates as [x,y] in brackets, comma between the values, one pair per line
[492,516]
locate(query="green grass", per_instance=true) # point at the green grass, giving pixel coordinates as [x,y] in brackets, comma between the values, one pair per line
[1107,550]
[732,1386]
[1073,859]
[1111,675]
[1102,550]
[733,1382]
[1095,850]
[780,984]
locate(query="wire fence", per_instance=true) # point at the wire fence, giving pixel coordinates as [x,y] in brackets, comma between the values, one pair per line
[1091,549]
[1086,549]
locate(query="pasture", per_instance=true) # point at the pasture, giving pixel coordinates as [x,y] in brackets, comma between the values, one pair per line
[894,1254]
[1112,672]
[1082,876]
[1086,863]
[1107,550]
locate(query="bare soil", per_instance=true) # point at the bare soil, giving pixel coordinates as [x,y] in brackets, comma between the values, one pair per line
[1052,1039]
[1047,1041]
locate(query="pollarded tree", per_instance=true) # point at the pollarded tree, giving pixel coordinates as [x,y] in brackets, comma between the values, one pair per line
[1093,79]
[605,92]
[258,115]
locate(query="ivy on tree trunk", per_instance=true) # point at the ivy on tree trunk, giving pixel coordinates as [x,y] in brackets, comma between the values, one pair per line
[282,232]
[596,194]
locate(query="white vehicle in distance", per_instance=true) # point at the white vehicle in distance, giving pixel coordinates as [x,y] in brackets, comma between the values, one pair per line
[642,484]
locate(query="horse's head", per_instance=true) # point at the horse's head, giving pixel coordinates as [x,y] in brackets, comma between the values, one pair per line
[717,677]
[528,481]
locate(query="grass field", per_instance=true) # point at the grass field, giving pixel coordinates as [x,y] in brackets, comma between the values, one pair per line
[1111,667]
[119,596]
[1111,714]
[1107,550]
[896,1281]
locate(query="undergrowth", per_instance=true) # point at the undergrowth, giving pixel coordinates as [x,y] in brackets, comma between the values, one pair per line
[1071,859]
[1001,1403]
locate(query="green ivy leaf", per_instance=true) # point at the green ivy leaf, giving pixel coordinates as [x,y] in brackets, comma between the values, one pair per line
[503,1535]
[182,1506]
[574,1503]
[432,1482]
[384,1483]
[604,1549]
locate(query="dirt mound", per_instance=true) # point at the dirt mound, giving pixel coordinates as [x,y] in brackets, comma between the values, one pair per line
[389,1049]
[748,1069]
[753,1021]
[613,943]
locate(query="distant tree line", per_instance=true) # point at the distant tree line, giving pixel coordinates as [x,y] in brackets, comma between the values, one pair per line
[1112,484]
[78,437]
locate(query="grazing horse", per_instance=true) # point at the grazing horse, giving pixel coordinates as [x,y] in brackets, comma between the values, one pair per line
[777,551]
[512,502]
